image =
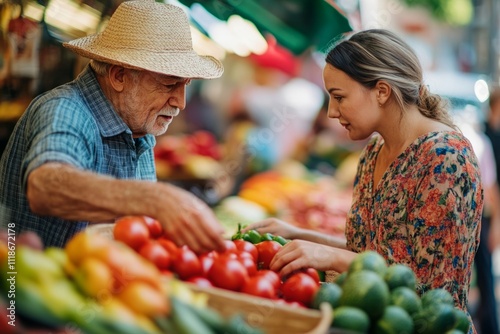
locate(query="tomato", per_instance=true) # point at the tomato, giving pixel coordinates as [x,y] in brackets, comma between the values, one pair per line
[202,282]
[132,231]
[169,245]
[186,264]
[246,246]
[206,263]
[267,250]
[313,273]
[300,287]
[228,273]
[248,261]
[271,276]
[259,286]
[229,246]
[154,252]
[154,226]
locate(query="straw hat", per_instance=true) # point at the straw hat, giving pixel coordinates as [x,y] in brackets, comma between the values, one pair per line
[151,36]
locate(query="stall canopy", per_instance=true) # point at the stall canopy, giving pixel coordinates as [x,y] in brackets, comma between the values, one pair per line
[297,25]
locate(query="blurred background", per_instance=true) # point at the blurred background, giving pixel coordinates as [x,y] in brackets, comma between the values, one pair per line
[257,142]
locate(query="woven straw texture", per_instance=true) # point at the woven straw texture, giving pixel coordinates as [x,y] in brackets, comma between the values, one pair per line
[150,36]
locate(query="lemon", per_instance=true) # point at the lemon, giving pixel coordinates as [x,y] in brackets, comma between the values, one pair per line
[366,290]
[350,318]
[400,275]
[407,299]
[395,320]
[369,260]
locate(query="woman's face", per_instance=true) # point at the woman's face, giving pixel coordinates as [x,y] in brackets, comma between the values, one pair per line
[354,105]
[152,101]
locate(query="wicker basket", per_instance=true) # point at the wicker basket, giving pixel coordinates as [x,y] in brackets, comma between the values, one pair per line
[267,315]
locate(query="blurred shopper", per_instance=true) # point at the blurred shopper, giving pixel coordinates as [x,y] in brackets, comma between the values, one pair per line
[83,152]
[417,195]
[486,313]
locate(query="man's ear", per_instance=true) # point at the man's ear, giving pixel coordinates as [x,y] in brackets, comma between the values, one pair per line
[384,91]
[116,76]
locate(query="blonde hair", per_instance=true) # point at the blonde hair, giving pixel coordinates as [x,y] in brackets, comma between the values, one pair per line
[377,54]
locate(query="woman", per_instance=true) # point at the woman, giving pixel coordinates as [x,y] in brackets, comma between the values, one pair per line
[417,194]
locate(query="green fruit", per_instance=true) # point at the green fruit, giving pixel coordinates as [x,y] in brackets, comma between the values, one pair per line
[407,299]
[395,320]
[400,275]
[327,293]
[435,319]
[455,331]
[437,296]
[366,290]
[369,260]
[463,322]
[35,265]
[351,318]
[340,279]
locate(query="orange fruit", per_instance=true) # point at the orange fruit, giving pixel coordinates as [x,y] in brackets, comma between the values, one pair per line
[142,298]
[94,278]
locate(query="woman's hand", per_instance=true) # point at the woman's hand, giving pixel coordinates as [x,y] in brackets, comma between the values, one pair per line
[300,254]
[275,227]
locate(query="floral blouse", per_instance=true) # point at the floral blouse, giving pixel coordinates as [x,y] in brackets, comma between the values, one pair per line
[425,212]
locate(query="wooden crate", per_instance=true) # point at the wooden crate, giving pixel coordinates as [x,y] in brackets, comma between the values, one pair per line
[266,314]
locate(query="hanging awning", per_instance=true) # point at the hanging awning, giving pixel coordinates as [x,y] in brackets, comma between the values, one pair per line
[297,25]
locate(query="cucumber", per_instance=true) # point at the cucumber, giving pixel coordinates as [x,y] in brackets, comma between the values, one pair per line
[213,319]
[31,305]
[186,321]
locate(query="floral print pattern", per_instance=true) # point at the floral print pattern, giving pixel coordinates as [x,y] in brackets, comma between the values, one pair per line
[425,212]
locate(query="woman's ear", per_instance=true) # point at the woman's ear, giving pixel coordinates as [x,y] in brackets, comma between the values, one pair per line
[384,91]
[116,76]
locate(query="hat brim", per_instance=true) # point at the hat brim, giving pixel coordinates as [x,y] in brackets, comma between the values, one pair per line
[182,63]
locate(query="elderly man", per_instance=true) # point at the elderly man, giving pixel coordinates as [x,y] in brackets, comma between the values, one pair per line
[83,152]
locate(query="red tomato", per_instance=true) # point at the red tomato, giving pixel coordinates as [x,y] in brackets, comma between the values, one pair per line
[313,273]
[260,286]
[246,246]
[154,226]
[155,253]
[299,287]
[228,273]
[186,264]
[271,276]
[230,246]
[247,260]
[202,282]
[169,245]
[132,231]
[206,263]
[267,250]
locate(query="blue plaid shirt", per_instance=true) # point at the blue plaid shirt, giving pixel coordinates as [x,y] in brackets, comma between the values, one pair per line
[73,124]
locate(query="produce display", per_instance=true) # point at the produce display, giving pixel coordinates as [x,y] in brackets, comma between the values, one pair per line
[100,286]
[193,156]
[372,297]
[313,203]
[242,267]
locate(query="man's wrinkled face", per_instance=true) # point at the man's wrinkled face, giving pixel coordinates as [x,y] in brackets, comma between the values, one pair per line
[151,102]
